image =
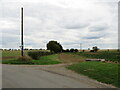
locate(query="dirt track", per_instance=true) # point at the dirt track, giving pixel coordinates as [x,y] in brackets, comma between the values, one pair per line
[70,58]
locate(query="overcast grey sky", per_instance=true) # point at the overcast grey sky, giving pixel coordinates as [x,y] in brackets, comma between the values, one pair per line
[70,22]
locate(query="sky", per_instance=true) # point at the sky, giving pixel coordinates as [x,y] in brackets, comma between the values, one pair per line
[70,22]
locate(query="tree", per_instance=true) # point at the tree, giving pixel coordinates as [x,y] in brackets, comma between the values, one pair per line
[67,50]
[71,50]
[54,46]
[95,49]
[76,50]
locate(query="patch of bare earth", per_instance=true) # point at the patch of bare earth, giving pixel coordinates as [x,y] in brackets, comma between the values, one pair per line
[70,58]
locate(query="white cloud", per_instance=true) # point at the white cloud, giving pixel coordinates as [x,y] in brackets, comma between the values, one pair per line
[70,22]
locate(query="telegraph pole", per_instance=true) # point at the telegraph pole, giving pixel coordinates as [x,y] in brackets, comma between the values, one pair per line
[80,47]
[22,47]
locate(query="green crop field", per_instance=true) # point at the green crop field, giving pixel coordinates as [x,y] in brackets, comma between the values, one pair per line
[107,55]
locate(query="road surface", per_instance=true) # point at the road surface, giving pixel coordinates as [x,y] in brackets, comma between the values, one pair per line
[25,77]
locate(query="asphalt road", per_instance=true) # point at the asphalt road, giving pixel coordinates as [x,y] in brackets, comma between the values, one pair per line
[22,77]
[25,77]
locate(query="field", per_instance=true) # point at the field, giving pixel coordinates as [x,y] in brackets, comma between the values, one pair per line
[107,55]
[102,72]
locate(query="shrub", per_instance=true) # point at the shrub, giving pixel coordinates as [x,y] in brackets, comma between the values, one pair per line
[91,50]
[24,58]
[37,54]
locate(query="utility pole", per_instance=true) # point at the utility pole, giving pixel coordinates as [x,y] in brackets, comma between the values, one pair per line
[22,47]
[80,47]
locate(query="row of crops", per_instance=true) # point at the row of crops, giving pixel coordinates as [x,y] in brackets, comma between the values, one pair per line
[107,55]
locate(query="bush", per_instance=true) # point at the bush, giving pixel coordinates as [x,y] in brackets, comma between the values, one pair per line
[24,58]
[91,50]
[37,54]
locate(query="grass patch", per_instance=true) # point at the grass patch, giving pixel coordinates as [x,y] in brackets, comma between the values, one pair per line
[102,72]
[45,60]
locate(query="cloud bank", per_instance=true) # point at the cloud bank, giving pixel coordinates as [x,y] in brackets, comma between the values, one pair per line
[70,22]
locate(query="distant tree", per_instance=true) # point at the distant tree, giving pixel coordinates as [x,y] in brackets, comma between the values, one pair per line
[26,49]
[88,48]
[91,50]
[54,46]
[9,49]
[40,49]
[118,50]
[95,49]
[67,50]
[76,50]
[83,50]
[71,50]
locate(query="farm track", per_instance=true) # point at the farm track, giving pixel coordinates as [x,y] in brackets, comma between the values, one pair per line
[70,58]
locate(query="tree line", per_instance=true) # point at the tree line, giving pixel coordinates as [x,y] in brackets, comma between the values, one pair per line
[56,47]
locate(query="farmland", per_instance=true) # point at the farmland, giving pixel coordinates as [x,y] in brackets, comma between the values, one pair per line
[101,71]
[107,55]
[112,55]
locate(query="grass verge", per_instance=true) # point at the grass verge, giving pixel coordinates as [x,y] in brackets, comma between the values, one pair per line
[45,60]
[102,72]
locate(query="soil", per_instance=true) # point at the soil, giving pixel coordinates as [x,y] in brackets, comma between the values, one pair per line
[70,58]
